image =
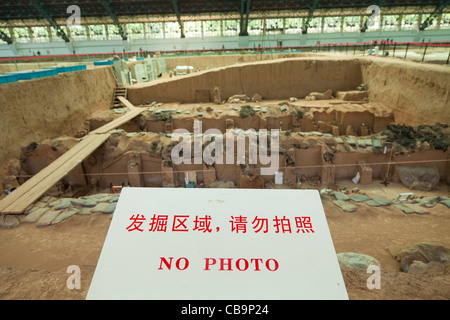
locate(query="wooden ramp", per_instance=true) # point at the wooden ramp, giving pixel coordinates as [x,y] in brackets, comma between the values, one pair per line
[30,191]
[119,121]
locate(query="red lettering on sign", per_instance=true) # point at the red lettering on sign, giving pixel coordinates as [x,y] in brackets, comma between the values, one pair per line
[178,263]
[158,223]
[223,264]
[164,260]
[179,223]
[284,223]
[275,267]
[209,262]
[137,222]
[168,264]
[238,264]
[202,224]
[261,223]
[241,264]
[239,224]
[304,224]
[256,263]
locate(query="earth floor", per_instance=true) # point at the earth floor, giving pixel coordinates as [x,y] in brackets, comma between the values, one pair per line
[34,260]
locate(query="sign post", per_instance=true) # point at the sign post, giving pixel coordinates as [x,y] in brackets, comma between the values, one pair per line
[218,244]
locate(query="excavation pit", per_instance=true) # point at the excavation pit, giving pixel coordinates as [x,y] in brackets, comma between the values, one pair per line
[331,114]
[382,120]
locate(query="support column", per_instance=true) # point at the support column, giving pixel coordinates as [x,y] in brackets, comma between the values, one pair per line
[134,176]
[290,177]
[438,21]
[69,33]
[202,28]
[50,35]
[11,33]
[168,127]
[328,169]
[238,175]
[31,35]
[88,32]
[209,175]
[365,172]
[327,174]
[176,8]
[106,31]
[168,179]
[244,16]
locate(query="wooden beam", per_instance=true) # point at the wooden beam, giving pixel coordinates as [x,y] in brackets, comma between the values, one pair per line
[30,191]
[123,119]
[35,187]
[128,104]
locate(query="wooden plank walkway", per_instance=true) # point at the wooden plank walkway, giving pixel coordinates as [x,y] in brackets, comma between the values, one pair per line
[119,121]
[30,191]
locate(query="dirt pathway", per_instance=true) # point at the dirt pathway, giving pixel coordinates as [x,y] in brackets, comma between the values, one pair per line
[33,260]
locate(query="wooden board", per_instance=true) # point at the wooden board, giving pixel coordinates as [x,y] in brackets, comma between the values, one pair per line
[127,103]
[8,200]
[35,187]
[123,119]
[30,191]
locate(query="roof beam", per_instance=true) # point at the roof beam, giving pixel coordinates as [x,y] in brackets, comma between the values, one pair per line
[112,13]
[176,8]
[44,13]
[313,7]
[5,37]
[438,10]
[244,13]
[378,4]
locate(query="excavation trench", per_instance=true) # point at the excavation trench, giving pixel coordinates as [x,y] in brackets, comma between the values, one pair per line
[368,116]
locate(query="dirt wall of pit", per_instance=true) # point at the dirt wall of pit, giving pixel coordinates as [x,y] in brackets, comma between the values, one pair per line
[38,109]
[204,62]
[418,93]
[274,79]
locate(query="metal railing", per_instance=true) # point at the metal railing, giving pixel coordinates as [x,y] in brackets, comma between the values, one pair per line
[418,51]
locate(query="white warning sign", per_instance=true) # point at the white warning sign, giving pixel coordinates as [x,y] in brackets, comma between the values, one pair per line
[210,244]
